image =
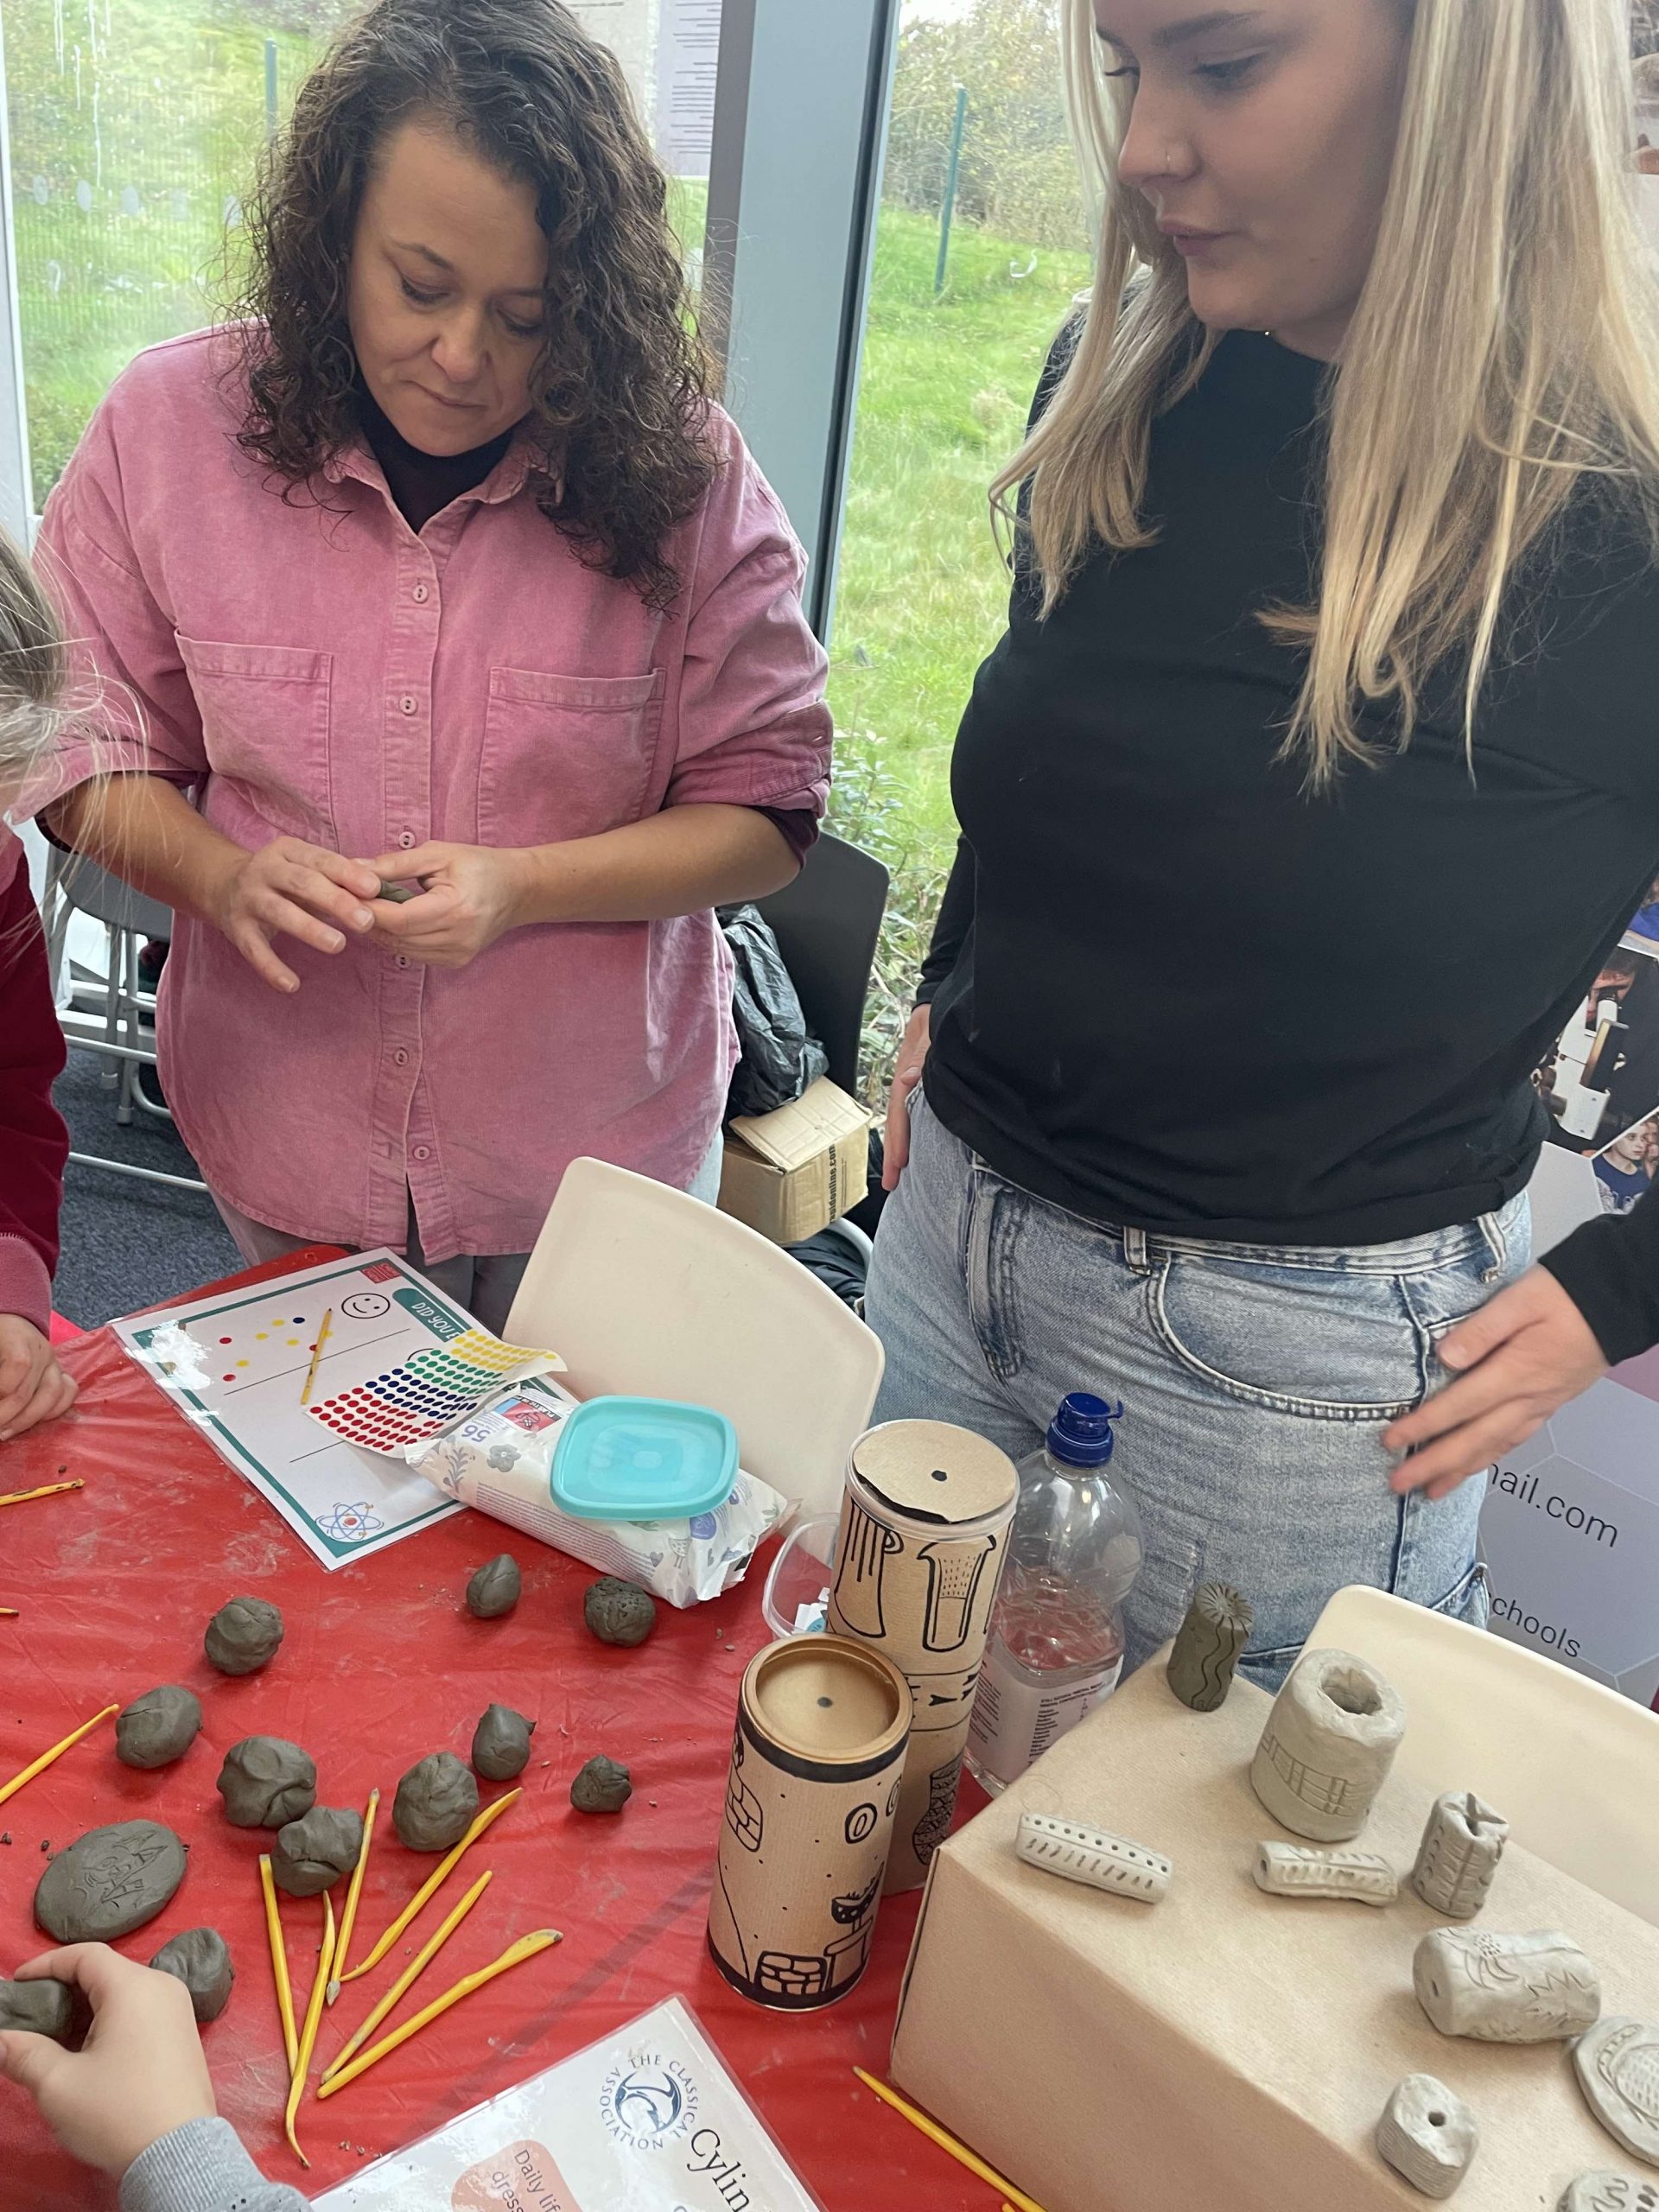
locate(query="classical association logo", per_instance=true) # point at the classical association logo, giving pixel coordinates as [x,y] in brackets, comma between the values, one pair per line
[648,2102]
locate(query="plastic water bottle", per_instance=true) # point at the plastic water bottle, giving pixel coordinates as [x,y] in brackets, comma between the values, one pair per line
[1056,1648]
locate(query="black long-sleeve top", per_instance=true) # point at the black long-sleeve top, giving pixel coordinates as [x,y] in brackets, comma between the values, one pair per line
[1173,991]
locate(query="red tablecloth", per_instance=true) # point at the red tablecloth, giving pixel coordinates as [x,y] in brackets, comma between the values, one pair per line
[382,1664]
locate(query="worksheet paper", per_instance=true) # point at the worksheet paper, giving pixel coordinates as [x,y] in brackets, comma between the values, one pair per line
[648,2120]
[399,1361]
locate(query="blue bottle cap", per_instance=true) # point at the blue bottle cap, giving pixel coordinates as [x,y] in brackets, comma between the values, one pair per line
[643,1459]
[1081,1434]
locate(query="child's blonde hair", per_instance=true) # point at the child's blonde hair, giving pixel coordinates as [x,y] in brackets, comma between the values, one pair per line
[33,670]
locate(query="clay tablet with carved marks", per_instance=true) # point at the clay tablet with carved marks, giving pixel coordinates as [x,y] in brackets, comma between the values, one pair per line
[111,1882]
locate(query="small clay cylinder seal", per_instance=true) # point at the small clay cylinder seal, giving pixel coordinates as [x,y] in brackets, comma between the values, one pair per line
[1216,1629]
[1536,1988]
[1328,1745]
[1458,1854]
[1428,2135]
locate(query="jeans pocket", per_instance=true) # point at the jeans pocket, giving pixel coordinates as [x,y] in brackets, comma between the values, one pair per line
[1319,1342]
[1469,1597]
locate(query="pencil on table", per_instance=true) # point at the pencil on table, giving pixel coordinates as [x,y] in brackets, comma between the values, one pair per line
[316,1354]
[9,1612]
[47,1758]
[948,2142]
[409,1977]
[348,1919]
[308,2032]
[434,1881]
[46,1490]
[527,1947]
[279,1966]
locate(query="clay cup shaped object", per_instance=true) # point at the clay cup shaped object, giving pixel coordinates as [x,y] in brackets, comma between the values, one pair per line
[1328,1745]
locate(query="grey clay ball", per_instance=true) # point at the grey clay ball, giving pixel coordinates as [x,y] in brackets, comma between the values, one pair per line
[495,1588]
[437,1804]
[602,1786]
[201,1959]
[157,1728]
[501,1743]
[39,2008]
[266,1781]
[312,1852]
[242,1637]
[619,1613]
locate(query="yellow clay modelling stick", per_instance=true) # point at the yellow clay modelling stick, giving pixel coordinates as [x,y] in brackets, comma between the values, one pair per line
[348,1920]
[433,1882]
[49,1490]
[527,1947]
[947,2143]
[308,2032]
[409,1977]
[279,1966]
[11,1788]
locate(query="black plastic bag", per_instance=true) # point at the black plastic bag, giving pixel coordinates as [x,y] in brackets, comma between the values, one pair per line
[780,1059]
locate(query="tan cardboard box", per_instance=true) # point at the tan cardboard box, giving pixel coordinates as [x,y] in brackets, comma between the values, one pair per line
[1224,2048]
[791,1173]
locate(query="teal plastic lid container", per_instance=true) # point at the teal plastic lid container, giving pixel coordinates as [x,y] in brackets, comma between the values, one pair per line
[643,1459]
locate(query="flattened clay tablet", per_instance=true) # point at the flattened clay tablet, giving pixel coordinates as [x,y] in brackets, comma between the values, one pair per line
[39,2008]
[242,1637]
[266,1781]
[618,1613]
[157,1728]
[501,1743]
[495,1588]
[314,1851]
[437,1804]
[603,1786]
[111,1882]
[201,1959]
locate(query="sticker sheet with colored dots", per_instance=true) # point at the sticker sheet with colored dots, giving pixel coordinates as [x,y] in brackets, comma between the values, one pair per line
[311,1384]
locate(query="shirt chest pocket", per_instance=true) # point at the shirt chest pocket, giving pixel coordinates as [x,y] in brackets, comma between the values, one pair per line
[565,756]
[265,729]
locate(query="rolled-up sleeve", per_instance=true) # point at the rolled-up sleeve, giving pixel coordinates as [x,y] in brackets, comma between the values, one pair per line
[132,709]
[754,726]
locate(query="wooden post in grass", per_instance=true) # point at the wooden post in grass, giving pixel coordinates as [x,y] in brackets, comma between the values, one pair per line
[948,211]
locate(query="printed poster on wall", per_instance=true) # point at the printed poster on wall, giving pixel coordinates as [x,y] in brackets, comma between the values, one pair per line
[688,63]
[625,27]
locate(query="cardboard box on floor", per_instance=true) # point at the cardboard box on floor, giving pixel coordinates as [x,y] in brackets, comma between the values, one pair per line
[791,1173]
[1224,2048]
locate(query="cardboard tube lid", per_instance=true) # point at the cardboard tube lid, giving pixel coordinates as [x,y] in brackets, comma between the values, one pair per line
[936,1472]
[827,1700]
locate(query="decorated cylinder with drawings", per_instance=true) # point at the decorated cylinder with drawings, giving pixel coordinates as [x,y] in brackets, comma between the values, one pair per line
[821,1726]
[924,1532]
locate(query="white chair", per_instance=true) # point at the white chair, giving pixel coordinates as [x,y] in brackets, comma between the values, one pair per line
[644,1290]
[1573,1767]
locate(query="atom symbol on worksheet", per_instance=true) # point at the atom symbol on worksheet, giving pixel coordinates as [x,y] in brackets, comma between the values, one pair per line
[350,1525]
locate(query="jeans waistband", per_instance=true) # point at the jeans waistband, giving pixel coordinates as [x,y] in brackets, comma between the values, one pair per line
[1405,1255]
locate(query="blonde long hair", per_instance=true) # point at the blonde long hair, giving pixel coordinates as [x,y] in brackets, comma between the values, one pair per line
[34,667]
[1505,347]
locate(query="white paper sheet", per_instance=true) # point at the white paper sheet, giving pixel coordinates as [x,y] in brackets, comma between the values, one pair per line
[236,1365]
[648,2120]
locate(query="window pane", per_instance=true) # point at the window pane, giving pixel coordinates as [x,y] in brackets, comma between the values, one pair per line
[135,125]
[948,376]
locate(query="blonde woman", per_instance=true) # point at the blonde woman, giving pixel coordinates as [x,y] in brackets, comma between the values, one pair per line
[1312,782]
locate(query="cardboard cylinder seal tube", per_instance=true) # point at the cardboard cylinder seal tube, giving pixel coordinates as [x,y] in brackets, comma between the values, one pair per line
[821,1726]
[923,1533]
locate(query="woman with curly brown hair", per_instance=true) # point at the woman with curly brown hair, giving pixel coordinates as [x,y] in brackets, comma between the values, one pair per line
[438,573]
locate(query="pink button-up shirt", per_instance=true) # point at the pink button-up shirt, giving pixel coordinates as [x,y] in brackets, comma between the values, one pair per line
[320,671]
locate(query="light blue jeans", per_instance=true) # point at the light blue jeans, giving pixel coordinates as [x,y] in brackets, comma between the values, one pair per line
[1258,1381]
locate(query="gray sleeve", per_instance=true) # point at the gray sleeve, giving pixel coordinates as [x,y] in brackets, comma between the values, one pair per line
[203,2168]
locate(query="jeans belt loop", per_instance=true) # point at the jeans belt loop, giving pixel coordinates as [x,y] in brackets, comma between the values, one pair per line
[1496,1246]
[1134,1250]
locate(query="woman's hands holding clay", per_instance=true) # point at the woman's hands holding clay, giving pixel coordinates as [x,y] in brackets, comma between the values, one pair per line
[33,1386]
[906,1074]
[140,2073]
[293,889]
[1518,1360]
[466,897]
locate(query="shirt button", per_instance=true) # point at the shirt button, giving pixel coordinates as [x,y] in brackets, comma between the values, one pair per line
[400,1058]
[407,703]
[406,839]
[419,595]
[403,960]
[422,1152]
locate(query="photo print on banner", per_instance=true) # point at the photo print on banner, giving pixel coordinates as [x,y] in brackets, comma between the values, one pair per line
[1601,1082]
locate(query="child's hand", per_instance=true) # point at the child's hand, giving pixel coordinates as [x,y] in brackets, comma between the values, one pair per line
[33,1386]
[141,2074]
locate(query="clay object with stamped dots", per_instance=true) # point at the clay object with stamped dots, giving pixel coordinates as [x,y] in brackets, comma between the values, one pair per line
[1289,1870]
[266,1781]
[158,1727]
[437,1804]
[619,1613]
[1327,1746]
[603,1786]
[501,1743]
[1092,1856]
[39,2008]
[201,1959]
[242,1637]
[1606,2191]
[1458,1857]
[108,1882]
[312,1852]
[1428,2135]
[1616,2062]
[1205,1651]
[1535,1988]
[495,1588]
